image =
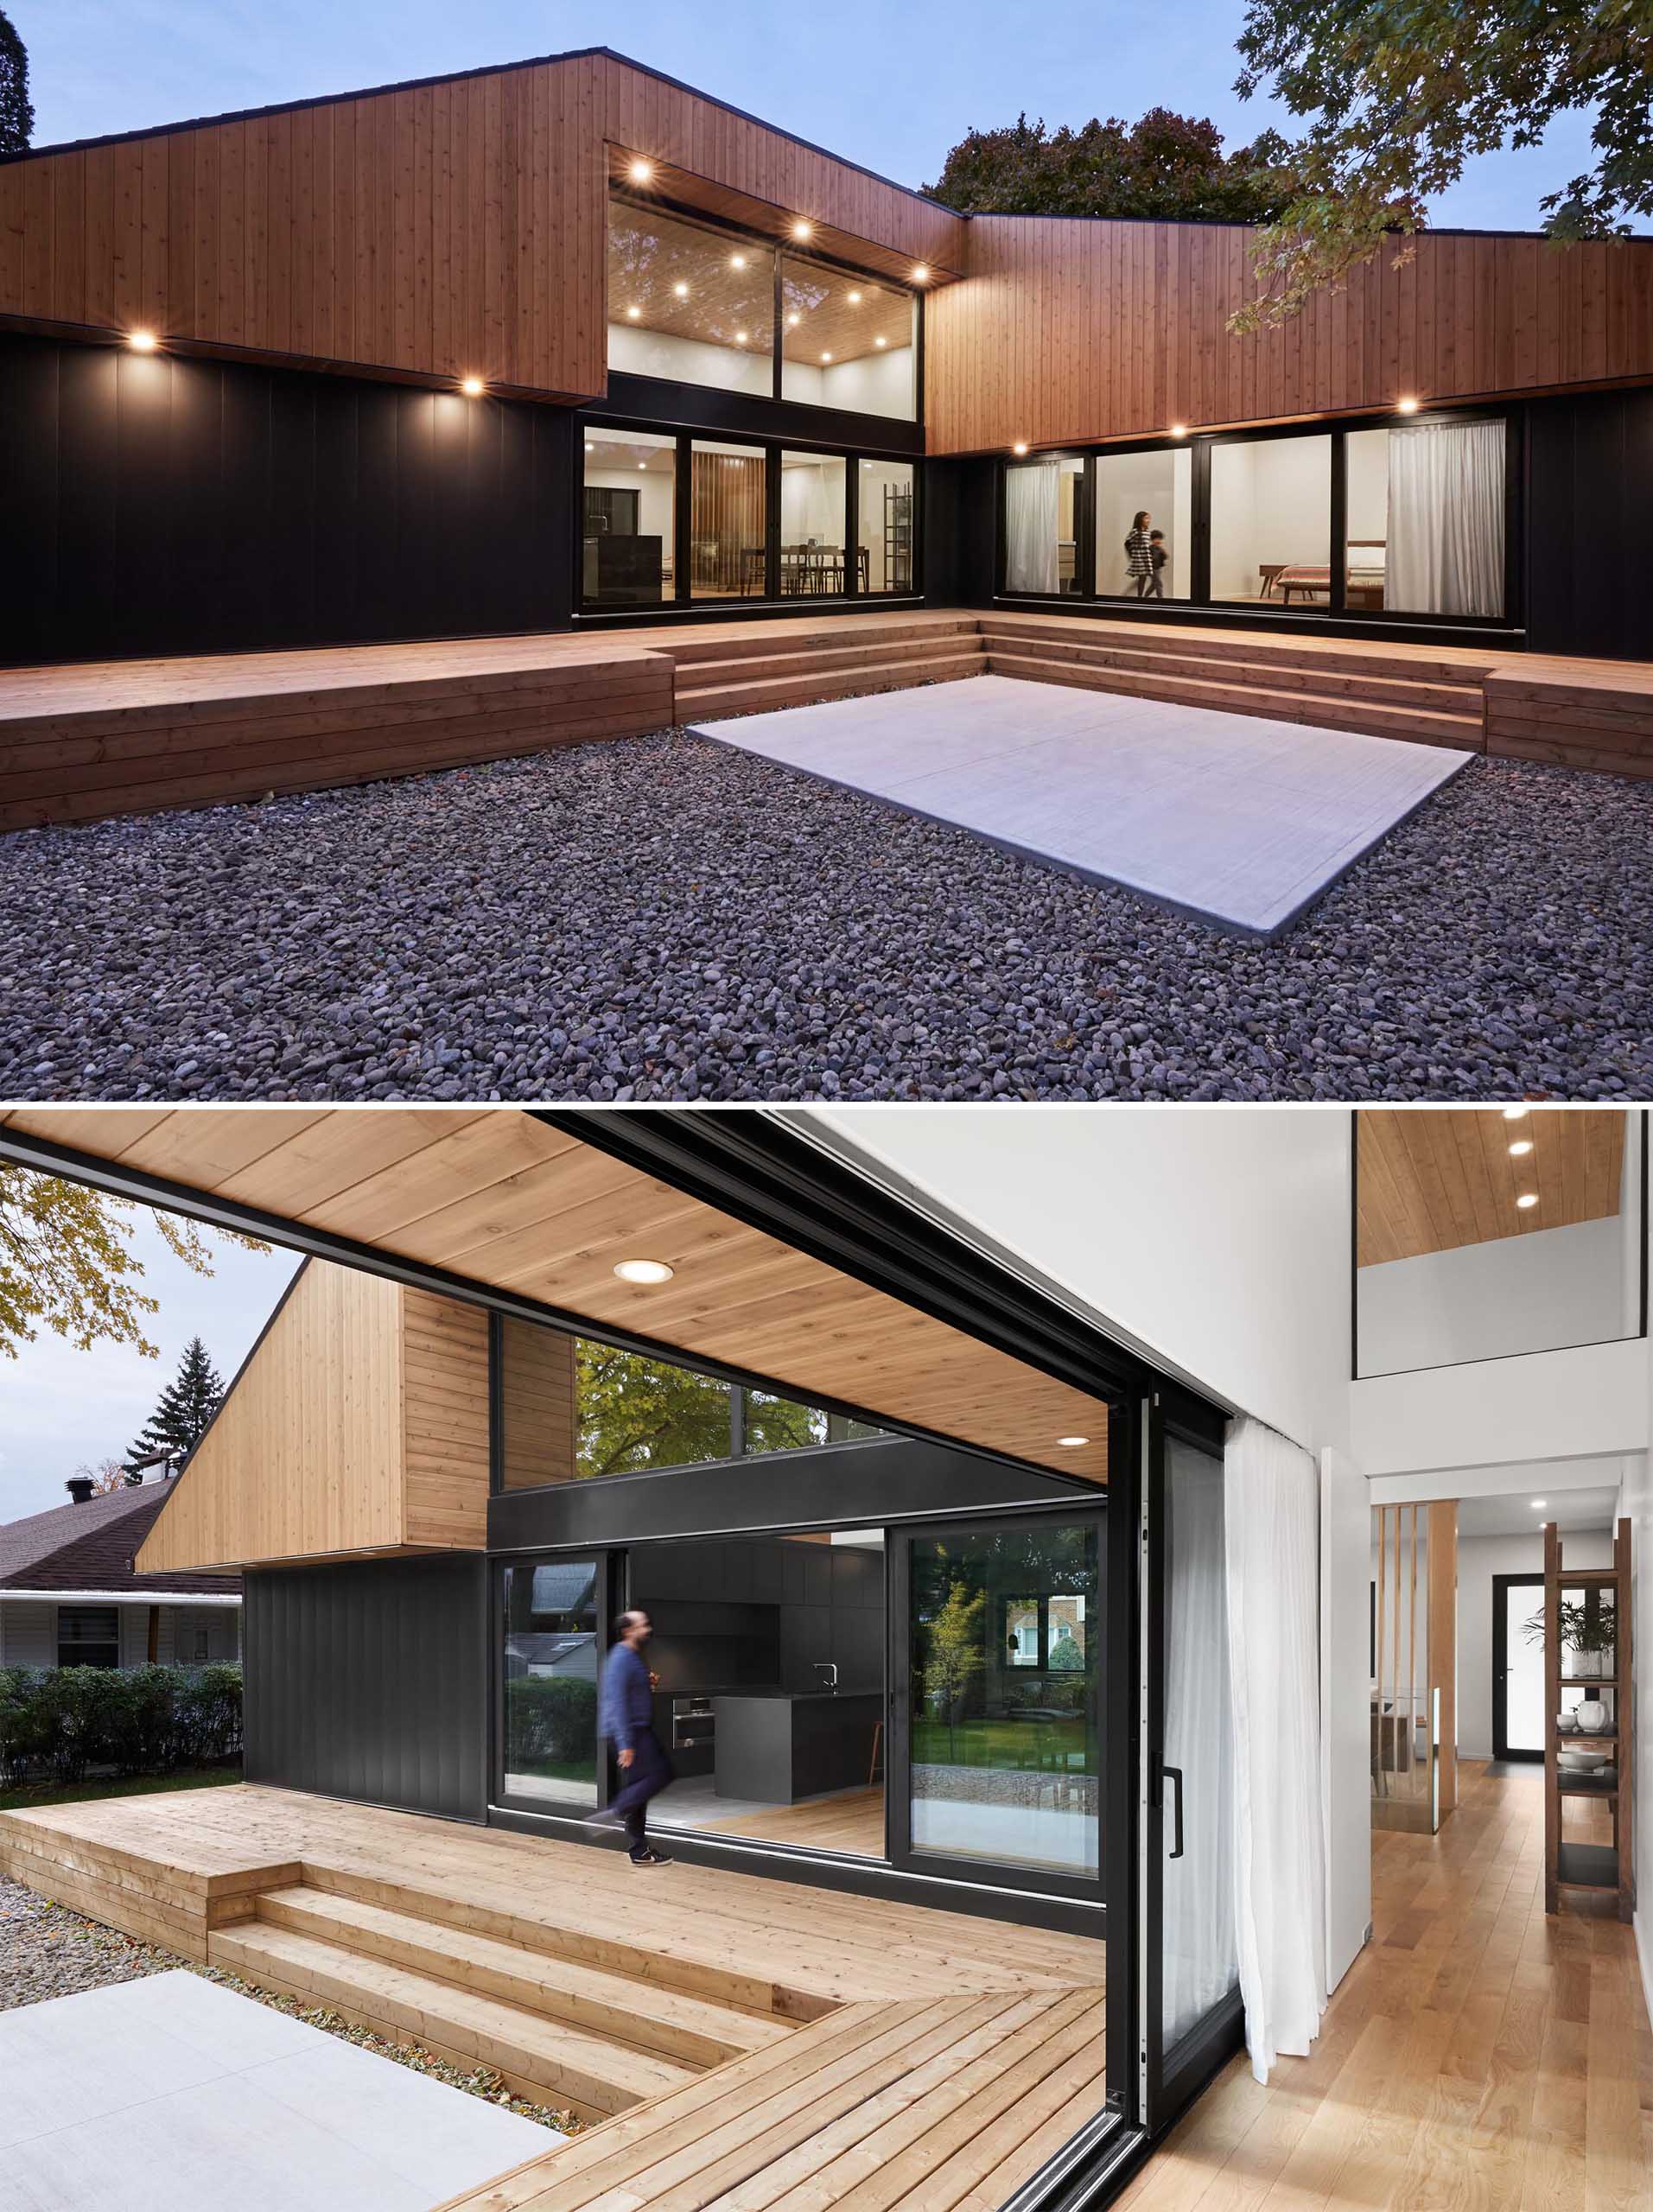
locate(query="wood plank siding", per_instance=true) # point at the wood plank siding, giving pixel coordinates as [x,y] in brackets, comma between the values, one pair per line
[358,1425]
[1068,331]
[438,230]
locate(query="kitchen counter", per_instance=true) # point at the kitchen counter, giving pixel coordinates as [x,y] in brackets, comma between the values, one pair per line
[777,1746]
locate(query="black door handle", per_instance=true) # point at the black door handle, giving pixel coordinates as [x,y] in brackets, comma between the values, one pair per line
[1174,1774]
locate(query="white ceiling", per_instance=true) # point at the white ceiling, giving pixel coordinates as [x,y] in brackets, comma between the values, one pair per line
[1514,1514]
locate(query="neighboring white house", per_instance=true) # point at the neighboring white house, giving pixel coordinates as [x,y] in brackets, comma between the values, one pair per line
[68,1597]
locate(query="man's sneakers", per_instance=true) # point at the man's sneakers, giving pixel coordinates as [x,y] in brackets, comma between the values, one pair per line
[649,1859]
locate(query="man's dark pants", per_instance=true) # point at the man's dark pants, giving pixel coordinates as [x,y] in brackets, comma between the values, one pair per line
[646,1776]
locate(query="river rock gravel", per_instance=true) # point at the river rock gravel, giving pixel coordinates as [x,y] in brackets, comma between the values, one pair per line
[668,919]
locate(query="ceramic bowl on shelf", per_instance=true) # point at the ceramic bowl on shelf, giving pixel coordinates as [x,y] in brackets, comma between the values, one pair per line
[1581,1762]
[1566,1725]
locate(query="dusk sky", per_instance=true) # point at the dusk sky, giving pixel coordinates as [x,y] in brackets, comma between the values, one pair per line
[61,1408]
[893,87]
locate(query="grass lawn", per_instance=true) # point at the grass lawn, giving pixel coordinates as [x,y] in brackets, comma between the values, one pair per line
[133,1785]
[1057,1746]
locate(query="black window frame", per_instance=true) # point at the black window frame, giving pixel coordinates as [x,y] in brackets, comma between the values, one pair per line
[698,218]
[1201,443]
[771,446]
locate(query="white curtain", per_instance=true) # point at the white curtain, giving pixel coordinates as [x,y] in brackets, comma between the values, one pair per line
[1445,519]
[1032,502]
[1199,1964]
[1273,1548]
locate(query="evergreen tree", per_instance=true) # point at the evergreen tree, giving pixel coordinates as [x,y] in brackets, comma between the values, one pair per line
[184,1409]
[16,112]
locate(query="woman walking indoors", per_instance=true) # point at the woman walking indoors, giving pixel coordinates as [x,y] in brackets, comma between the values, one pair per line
[1138,556]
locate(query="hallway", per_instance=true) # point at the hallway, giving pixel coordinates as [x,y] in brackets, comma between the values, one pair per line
[1477,2053]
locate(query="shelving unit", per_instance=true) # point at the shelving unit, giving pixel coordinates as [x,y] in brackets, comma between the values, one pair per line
[1569,1863]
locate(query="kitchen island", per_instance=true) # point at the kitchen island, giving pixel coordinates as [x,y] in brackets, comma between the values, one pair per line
[775,1748]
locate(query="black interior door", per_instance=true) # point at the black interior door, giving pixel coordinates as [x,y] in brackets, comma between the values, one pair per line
[1517,1669]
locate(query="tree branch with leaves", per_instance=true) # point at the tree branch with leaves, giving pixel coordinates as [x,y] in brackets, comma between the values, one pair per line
[1401,96]
[65,1263]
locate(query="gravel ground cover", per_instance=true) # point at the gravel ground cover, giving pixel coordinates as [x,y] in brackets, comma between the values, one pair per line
[46,1950]
[668,918]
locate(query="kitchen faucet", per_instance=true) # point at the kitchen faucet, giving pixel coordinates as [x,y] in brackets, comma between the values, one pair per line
[828,1668]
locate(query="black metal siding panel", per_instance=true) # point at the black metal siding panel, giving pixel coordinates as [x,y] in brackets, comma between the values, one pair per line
[159,505]
[1589,525]
[366,1681]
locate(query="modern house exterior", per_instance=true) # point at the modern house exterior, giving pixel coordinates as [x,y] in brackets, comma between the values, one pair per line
[975,1486]
[72,1593]
[568,346]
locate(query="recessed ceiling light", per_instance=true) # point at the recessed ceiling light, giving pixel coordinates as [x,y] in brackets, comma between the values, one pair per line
[853,298]
[642,464]
[1178,429]
[1517,1113]
[880,342]
[590,446]
[801,229]
[1072,1443]
[682,290]
[737,261]
[1521,1149]
[633,313]
[641,172]
[141,342]
[1408,406]
[1538,1502]
[1527,1198]
[826,357]
[921,273]
[473,387]
[1020,446]
[644,1271]
[792,321]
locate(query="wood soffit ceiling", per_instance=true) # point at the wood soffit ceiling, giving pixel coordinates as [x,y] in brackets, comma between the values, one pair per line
[500,1197]
[682,188]
[1430,1181]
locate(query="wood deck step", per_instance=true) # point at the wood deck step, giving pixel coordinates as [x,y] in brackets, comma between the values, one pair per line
[539,2057]
[1392,686]
[803,689]
[797,634]
[818,656]
[1254,649]
[691,2030]
[1424,726]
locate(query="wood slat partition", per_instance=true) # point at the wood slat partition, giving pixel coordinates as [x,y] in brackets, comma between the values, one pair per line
[444,229]
[1070,330]
[360,1424]
[1414,1770]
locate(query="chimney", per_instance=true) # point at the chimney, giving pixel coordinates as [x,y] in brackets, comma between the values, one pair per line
[80,1488]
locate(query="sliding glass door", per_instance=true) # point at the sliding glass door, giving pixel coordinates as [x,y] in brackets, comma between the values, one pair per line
[996,1702]
[1189,1964]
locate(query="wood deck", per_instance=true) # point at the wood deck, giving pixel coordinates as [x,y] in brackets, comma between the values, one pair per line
[583,1982]
[79,742]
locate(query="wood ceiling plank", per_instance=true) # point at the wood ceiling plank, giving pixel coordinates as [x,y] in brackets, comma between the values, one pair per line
[473,1159]
[104,1132]
[1433,1180]
[336,1153]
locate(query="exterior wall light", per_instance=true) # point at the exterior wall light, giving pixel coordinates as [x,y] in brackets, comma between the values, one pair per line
[1406,406]
[921,273]
[1178,429]
[141,342]
[801,229]
[1019,446]
[473,387]
[641,172]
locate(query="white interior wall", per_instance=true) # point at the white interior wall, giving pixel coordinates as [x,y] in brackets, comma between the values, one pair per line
[1367,453]
[1162,484]
[871,383]
[1587,1402]
[812,502]
[1534,1293]
[1271,500]
[641,353]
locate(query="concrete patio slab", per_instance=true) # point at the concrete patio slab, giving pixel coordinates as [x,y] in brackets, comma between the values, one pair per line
[1237,820]
[175,2094]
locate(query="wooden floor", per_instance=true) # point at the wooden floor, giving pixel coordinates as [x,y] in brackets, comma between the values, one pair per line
[851,1820]
[1478,2054]
[87,740]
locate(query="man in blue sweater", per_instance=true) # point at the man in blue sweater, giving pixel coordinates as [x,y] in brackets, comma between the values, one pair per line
[625,1717]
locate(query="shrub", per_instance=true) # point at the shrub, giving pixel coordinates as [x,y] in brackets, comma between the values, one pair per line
[551,1718]
[57,1723]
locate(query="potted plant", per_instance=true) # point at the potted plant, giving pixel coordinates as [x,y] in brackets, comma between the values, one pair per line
[1586,1632]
